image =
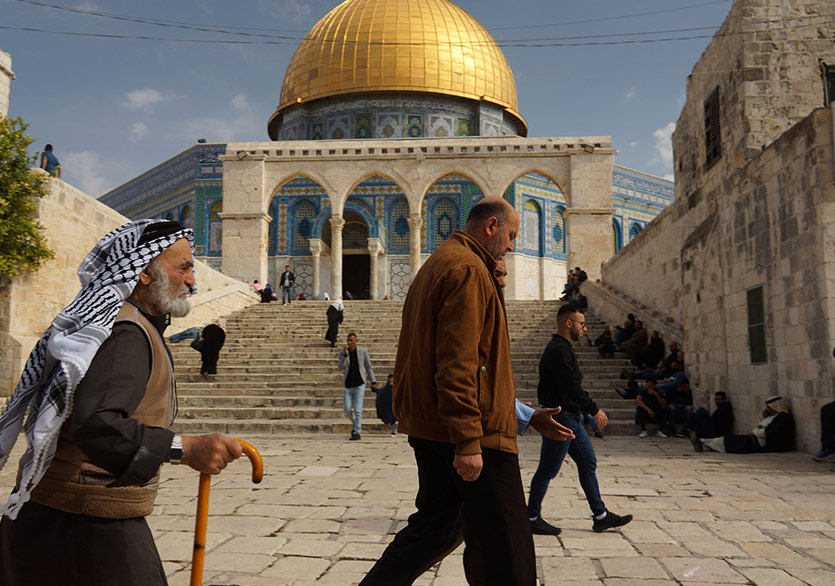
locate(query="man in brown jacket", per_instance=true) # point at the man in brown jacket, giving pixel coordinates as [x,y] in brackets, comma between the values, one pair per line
[454,396]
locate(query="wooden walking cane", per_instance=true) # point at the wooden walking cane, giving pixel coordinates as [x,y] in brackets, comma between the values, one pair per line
[203,510]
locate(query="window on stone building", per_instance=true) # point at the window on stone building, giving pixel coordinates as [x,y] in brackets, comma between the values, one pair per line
[617,231]
[445,220]
[829,84]
[756,326]
[531,220]
[399,224]
[713,147]
[634,230]
[272,230]
[215,227]
[559,230]
[303,216]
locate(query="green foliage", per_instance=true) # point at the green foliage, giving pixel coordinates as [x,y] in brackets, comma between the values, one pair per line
[22,244]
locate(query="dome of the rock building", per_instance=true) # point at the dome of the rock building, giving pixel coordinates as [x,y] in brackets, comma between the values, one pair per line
[413,49]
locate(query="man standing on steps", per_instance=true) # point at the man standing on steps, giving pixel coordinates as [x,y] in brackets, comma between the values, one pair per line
[355,363]
[286,284]
[454,396]
[561,384]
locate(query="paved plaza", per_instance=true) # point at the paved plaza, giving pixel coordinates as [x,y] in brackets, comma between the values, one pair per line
[327,507]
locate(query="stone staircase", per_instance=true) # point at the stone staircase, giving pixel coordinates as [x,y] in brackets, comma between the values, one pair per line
[277,374]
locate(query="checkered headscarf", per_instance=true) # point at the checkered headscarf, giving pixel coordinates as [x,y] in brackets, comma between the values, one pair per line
[60,359]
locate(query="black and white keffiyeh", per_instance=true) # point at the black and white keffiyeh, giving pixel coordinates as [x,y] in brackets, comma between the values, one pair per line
[60,359]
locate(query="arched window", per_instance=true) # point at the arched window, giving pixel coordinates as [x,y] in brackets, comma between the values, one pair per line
[634,230]
[617,232]
[559,231]
[531,220]
[303,215]
[399,224]
[215,227]
[186,216]
[168,215]
[445,220]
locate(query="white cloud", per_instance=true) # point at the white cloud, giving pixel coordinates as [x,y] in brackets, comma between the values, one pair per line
[669,177]
[630,94]
[142,99]
[87,6]
[664,143]
[298,12]
[85,170]
[633,144]
[240,103]
[138,131]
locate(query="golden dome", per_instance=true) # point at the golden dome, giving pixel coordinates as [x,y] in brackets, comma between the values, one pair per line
[428,46]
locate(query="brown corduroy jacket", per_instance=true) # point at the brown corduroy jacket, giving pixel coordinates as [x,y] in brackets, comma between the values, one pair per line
[453,377]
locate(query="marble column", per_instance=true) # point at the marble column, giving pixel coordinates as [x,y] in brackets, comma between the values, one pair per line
[375,248]
[415,230]
[337,222]
[316,247]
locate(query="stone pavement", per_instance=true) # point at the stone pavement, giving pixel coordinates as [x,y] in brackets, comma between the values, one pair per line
[327,507]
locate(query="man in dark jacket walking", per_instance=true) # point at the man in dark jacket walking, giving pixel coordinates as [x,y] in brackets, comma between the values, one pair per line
[561,385]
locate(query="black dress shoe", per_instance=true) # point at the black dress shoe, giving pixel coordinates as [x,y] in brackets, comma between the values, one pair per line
[540,526]
[354,436]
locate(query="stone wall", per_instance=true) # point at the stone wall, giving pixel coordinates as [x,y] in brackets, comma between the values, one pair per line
[760,213]
[73,223]
[773,225]
[6,77]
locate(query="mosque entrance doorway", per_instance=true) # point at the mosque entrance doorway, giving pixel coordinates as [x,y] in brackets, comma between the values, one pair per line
[356,263]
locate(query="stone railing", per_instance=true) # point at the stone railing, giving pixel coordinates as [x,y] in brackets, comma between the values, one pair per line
[612,306]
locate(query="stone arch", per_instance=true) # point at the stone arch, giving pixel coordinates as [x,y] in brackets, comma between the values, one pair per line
[186,216]
[561,185]
[320,181]
[471,191]
[394,177]
[635,229]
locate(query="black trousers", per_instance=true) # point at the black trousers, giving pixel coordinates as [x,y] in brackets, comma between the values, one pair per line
[47,547]
[489,515]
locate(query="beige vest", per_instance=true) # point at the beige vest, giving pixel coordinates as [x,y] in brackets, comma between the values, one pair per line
[74,485]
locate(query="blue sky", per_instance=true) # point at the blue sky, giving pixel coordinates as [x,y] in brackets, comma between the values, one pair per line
[115,107]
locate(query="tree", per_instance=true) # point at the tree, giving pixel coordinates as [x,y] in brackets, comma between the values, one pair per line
[22,243]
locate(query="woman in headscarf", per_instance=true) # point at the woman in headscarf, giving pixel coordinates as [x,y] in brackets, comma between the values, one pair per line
[335,314]
[214,335]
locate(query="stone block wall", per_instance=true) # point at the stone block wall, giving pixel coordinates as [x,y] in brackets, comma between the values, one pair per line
[6,77]
[770,223]
[73,223]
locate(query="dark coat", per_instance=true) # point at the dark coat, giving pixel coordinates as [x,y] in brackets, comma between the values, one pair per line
[383,404]
[213,339]
[334,319]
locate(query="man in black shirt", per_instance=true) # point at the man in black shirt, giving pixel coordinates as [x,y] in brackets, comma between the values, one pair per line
[561,385]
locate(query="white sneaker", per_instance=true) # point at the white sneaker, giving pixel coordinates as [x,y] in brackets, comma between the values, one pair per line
[643,434]
[660,433]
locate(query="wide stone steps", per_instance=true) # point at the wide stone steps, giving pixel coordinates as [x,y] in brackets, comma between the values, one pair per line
[277,374]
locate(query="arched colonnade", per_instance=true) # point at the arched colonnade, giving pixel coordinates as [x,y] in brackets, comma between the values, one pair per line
[253,172]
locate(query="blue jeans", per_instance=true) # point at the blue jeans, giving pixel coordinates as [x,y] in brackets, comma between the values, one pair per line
[551,455]
[286,294]
[185,334]
[352,405]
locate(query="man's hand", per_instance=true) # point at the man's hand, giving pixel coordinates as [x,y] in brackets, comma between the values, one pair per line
[468,467]
[373,385]
[651,413]
[542,421]
[210,453]
[601,419]
[345,349]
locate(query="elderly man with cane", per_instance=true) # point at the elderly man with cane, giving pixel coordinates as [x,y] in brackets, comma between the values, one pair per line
[99,391]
